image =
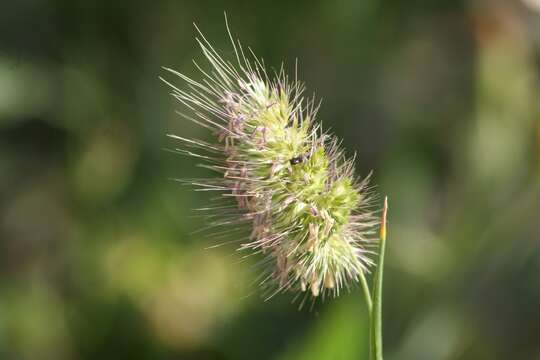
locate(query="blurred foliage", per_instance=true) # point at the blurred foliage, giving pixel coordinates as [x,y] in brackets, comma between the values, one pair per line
[99,251]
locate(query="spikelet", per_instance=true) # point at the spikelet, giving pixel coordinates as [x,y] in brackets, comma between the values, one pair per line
[288,180]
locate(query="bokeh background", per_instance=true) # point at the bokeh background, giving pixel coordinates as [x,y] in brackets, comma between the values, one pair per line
[99,254]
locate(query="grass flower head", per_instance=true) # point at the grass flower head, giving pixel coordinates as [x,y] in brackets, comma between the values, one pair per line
[289,181]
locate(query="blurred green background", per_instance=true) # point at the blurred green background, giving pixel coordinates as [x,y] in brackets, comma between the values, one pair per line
[99,258]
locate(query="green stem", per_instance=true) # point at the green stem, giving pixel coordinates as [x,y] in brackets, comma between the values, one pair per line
[376,348]
[367,293]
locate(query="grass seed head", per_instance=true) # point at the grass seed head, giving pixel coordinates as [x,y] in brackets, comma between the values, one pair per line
[309,215]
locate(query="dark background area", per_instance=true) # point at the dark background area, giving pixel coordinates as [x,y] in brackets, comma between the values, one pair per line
[99,254]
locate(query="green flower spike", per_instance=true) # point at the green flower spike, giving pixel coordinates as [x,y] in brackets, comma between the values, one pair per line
[290,182]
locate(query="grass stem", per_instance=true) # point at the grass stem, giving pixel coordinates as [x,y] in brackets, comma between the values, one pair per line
[376,343]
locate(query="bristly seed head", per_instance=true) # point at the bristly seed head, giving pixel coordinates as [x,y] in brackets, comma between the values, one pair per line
[308,213]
